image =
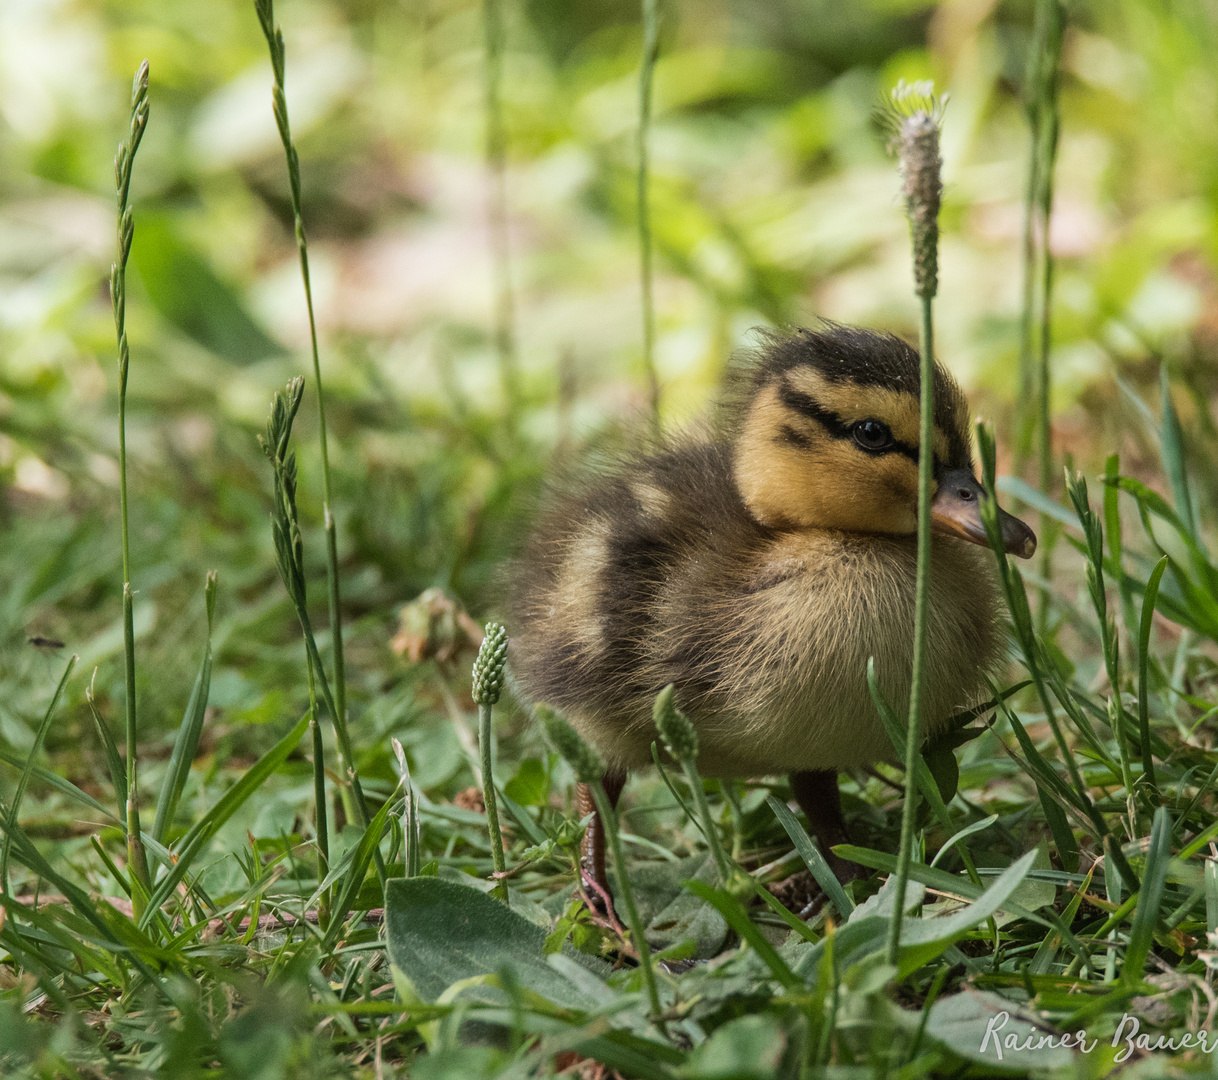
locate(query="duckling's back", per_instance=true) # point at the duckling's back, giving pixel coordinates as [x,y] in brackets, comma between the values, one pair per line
[587,594]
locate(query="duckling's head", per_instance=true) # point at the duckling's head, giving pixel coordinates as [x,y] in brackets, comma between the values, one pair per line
[828,438]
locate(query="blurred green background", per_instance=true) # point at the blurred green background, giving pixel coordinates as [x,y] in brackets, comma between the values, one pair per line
[773,201]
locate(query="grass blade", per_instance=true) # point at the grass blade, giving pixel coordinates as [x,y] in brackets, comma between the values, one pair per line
[209,824]
[1148,612]
[118,772]
[1171,440]
[356,871]
[66,787]
[15,807]
[1211,896]
[813,859]
[191,728]
[1150,898]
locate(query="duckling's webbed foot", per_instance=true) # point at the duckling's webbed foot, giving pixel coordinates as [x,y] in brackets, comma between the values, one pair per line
[592,849]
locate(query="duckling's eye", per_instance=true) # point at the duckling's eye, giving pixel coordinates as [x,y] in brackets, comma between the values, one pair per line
[872,435]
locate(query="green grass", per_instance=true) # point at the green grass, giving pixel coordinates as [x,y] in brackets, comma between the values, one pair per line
[254,945]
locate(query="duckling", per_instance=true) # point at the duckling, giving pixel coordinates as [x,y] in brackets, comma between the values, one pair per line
[757,564]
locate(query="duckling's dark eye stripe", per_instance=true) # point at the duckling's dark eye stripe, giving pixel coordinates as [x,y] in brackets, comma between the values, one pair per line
[832,423]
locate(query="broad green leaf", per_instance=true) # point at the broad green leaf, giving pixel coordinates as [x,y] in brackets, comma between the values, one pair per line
[924,939]
[530,786]
[690,918]
[439,933]
[957,886]
[984,1027]
[747,1048]
[738,919]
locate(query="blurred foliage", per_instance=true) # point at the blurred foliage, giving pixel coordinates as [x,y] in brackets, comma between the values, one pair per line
[773,201]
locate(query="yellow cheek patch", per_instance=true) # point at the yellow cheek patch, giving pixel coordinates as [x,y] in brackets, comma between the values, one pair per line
[852,403]
[816,480]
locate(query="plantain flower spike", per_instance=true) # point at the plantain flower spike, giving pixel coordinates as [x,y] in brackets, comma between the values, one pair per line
[489,664]
[565,739]
[674,726]
[915,114]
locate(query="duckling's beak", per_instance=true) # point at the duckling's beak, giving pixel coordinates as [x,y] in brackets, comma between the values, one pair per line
[956,509]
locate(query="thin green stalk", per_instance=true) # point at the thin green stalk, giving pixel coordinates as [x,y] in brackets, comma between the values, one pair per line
[681,739]
[486,742]
[690,767]
[589,769]
[608,818]
[1051,15]
[123,162]
[274,39]
[1147,622]
[320,801]
[1040,105]
[919,116]
[913,738]
[1077,487]
[651,48]
[289,551]
[1024,411]
[497,218]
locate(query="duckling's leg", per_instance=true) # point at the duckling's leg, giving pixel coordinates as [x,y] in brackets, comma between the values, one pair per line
[592,850]
[819,798]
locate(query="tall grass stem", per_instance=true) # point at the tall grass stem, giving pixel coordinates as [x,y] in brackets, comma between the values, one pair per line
[651,48]
[497,214]
[289,552]
[608,818]
[589,769]
[918,142]
[1050,28]
[123,163]
[274,40]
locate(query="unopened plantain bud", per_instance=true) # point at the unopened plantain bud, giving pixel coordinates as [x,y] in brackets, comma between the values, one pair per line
[674,726]
[488,665]
[565,739]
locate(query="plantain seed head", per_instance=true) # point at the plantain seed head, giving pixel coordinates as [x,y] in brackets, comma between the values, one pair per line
[674,726]
[489,664]
[565,739]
